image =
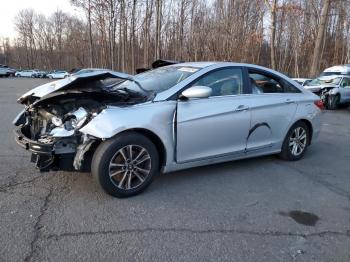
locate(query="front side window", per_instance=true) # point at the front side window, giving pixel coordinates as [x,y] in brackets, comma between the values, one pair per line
[223,82]
[264,84]
[345,82]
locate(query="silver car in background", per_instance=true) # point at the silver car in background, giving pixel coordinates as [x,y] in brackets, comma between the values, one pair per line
[126,129]
[334,90]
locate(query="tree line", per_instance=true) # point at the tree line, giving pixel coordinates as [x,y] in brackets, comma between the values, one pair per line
[297,37]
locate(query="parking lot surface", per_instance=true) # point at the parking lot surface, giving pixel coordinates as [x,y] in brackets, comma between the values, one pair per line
[261,209]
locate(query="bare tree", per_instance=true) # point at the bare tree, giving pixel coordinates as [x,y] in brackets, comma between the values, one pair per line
[87,6]
[319,39]
[159,5]
[123,34]
[272,7]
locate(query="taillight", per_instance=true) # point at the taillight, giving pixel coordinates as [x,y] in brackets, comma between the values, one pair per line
[319,104]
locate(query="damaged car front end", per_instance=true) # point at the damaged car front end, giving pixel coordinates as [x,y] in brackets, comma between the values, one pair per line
[126,129]
[54,113]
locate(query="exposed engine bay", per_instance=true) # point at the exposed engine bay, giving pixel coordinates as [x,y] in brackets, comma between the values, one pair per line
[49,125]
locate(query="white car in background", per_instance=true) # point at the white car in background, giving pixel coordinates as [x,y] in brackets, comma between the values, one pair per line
[58,74]
[26,73]
[337,70]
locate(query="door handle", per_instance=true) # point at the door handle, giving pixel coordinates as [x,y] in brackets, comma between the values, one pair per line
[241,108]
[289,101]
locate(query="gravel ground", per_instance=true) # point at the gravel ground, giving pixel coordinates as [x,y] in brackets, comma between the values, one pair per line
[261,209]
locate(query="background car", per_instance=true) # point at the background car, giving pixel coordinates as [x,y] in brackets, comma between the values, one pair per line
[129,128]
[302,81]
[26,73]
[337,70]
[334,90]
[58,74]
[6,71]
[40,74]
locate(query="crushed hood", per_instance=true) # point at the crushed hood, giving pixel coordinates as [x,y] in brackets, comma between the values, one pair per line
[68,82]
[320,86]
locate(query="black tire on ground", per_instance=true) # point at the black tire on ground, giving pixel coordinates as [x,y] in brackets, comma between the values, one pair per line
[106,151]
[333,102]
[287,150]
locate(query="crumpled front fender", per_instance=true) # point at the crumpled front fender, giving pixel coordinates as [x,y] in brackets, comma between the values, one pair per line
[155,117]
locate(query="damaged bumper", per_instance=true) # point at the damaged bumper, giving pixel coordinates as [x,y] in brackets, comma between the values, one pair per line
[31,145]
[58,154]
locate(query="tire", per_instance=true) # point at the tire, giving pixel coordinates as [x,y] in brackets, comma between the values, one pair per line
[333,102]
[115,173]
[288,147]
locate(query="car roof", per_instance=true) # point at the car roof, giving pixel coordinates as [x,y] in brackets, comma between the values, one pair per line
[221,64]
[338,68]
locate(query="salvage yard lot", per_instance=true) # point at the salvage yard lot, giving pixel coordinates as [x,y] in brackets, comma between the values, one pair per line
[237,211]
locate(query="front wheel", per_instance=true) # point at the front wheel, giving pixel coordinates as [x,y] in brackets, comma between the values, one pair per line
[295,142]
[333,102]
[125,165]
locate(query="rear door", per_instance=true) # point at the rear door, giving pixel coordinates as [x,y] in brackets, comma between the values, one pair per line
[273,105]
[214,126]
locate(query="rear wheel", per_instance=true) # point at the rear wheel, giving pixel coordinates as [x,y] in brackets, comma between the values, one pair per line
[333,102]
[126,165]
[296,142]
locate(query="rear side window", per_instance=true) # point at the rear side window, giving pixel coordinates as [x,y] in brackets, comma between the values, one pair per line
[262,83]
[223,82]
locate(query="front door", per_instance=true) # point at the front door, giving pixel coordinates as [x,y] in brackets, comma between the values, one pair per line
[214,126]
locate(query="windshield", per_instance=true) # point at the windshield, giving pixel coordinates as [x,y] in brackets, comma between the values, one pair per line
[157,80]
[319,81]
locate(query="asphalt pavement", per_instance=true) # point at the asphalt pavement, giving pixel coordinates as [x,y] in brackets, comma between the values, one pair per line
[261,209]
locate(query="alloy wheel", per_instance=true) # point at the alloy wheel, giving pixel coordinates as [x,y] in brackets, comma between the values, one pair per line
[129,167]
[298,141]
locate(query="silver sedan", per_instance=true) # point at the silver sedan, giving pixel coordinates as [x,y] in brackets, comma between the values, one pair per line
[126,129]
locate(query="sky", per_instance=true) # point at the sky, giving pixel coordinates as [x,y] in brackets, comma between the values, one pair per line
[10,8]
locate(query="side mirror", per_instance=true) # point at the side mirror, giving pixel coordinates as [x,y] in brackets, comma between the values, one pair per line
[197,92]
